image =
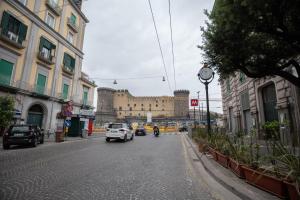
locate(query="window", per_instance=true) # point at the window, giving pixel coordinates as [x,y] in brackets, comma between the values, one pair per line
[23,2]
[156,105]
[228,89]
[163,101]
[46,49]
[6,69]
[50,20]
[130,108]
[242,77]
[40,83]
[12,28]
[149,109]
[269,103]
[142,104]
[85,95]
[128,105]
[70,38]
[149,105]
[120,108]
[65,91]
[245,105]
[73,19]
[69,63]
[163,109]
[134,105]
[142,109]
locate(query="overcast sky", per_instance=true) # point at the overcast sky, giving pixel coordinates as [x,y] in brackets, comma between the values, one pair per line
[120,43]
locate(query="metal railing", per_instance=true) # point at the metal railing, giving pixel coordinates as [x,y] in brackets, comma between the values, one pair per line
[72,25]
[46,58]
[54,7]
[12,39]
[68,69]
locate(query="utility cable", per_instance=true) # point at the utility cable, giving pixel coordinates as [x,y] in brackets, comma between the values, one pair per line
[161,53]
[171,31]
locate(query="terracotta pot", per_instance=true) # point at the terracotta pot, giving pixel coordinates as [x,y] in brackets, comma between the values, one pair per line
[236,168]
[265,182]
[212,152]
[222,159]
[293,195]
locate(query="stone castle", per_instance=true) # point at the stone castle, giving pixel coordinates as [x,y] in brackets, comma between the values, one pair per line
[121,105]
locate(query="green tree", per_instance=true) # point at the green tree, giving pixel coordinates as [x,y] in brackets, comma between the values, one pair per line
[6,112]
[258,37]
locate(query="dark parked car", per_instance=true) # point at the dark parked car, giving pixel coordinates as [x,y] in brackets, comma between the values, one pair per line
[23,135]
[183,129]
[140,131]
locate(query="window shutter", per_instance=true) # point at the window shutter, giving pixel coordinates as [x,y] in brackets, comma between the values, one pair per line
[4,22]
[66,60]
[42,41]
[72,63]
[6,69]
[65,91]
[22,33]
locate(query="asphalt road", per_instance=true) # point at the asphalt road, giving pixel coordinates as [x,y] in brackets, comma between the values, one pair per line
[146,168]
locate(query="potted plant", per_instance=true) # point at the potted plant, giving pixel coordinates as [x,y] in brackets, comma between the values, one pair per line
[222,149]
[212,140]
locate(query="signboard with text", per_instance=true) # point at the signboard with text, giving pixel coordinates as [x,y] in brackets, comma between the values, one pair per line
[194,102]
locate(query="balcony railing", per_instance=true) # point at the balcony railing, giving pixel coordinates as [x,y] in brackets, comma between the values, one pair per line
[87,103]
[46,58]
[87,80]
[54,7]
[12,39]
[67,69]
[72,25]
[40,90]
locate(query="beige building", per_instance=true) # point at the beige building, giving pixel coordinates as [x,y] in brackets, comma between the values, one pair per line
[41,58]
[121,104]
[249,103]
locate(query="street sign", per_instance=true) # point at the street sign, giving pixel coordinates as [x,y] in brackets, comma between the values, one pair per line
[68,123]
[194,102]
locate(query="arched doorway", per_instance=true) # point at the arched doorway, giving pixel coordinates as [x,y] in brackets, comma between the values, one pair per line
[35,115]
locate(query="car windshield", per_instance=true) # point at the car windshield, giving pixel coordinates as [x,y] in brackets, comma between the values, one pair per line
[20,128]
[115,126]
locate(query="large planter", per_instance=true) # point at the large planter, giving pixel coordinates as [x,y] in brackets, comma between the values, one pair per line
[265,182]
[292,192]
[236,168]
[222,159]
[212,152]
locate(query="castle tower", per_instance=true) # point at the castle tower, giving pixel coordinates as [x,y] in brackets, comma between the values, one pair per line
[181,103]
[105,108]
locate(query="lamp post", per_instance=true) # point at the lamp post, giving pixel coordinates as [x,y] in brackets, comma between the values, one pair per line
[199,108]
[206,75]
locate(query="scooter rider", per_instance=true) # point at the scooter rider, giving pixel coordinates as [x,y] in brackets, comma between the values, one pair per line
[155,130]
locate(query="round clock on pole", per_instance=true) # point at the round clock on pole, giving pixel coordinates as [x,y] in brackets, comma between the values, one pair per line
[205,73]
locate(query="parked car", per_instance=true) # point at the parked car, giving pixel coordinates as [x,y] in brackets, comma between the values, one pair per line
[119,131]
[140,131]
[23,135]
[183,128]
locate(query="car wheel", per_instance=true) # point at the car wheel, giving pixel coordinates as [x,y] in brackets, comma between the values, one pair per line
[125,138]
[34,143]
[5,146]
[107,139]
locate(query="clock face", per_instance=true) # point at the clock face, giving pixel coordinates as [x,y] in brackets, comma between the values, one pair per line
[206,73]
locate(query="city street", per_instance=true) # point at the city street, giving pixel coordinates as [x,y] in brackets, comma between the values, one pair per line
[145,168]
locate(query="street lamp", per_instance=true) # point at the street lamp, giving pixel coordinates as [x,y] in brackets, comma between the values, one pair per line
[206,75]
[199,108]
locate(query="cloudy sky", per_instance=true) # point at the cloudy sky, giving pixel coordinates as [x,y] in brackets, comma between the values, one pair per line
[120,43]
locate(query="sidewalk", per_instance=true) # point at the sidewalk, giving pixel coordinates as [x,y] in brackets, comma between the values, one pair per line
[228,179]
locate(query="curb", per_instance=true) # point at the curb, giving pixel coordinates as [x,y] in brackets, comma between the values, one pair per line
[219,180]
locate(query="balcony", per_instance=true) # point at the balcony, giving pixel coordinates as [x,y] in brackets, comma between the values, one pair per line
[68,70]
[86,103]
[7,85]
[12,39]
[72,25]
[87,80]
[46,58]
[54,7]
[41,91]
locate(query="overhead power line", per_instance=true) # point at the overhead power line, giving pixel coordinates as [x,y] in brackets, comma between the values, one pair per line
[161,53]
[129,78]
[171,31]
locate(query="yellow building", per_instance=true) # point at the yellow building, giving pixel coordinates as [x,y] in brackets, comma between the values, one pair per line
[41,58]
[121,105]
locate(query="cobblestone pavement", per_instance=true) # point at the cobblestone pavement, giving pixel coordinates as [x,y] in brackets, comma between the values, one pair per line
[146,168]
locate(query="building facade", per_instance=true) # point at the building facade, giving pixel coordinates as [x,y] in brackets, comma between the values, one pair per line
[249,103]
[41,58]
[120,105]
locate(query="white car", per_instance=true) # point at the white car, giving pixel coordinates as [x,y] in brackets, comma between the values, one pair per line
[119,131]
